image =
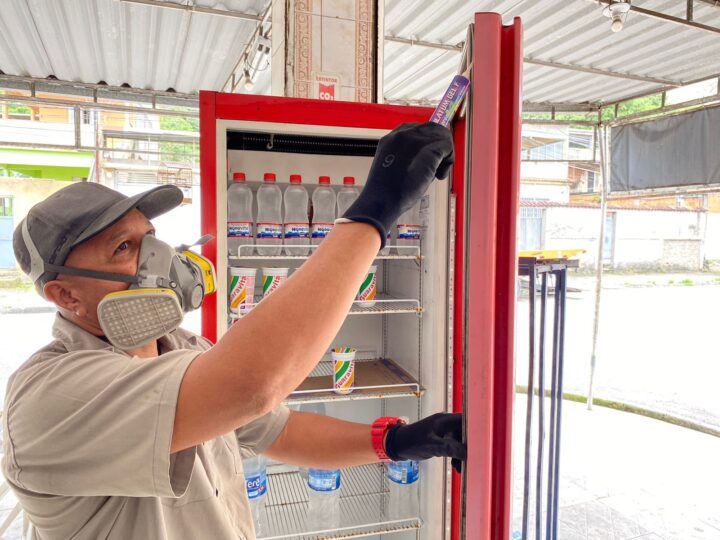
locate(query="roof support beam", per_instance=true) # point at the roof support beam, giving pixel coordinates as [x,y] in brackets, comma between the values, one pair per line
[666,18]
[606,73]
[28,84]
[528,60]
[427,44]
[96,106]
[196,9]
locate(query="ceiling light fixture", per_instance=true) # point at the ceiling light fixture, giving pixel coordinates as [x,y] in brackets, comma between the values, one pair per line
[617,11]
[247,81]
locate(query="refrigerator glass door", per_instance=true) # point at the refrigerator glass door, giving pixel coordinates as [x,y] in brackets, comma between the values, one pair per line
[401,340]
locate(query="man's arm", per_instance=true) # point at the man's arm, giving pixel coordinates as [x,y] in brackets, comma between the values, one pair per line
[324,442]
[267,354]
[312,440]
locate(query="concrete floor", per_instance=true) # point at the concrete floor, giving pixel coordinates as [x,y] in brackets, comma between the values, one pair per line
[625,476]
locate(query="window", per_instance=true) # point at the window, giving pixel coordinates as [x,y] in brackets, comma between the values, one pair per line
[6,207]
[590,181]
[544,152]
[530,230]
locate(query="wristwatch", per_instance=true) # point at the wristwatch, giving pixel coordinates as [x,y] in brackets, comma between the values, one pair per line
[379,429]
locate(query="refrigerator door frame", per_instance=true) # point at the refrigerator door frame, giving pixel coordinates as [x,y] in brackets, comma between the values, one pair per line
[486,186]
[222,112]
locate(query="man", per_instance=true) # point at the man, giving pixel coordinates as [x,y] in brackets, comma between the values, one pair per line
[107,440]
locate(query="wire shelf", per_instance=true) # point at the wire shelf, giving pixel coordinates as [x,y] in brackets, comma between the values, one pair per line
[246,253]
[374,378]
[385,304]
[363,506]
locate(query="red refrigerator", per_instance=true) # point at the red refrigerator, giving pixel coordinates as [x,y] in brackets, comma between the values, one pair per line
[440,335]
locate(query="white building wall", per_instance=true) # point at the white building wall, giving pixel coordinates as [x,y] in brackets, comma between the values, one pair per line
[642,239]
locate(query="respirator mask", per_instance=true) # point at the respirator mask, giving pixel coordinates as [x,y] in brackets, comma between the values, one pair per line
[169,283]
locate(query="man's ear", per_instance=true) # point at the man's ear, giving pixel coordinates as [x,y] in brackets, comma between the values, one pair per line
[60,293]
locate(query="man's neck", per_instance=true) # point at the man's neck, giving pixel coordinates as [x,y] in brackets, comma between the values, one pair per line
[149,350]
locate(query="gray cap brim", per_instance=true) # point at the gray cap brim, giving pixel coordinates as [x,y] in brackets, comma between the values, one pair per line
[151,203]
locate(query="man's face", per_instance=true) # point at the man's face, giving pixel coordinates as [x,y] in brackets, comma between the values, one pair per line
[116,250]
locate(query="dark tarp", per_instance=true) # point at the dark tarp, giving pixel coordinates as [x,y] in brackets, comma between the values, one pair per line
[680,151]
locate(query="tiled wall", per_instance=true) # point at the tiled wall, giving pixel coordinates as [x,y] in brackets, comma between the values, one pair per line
[336,37]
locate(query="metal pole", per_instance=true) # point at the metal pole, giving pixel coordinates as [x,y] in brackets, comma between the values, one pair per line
[560,293]
[541,407]
[554,397]
[602,132]
[530,387]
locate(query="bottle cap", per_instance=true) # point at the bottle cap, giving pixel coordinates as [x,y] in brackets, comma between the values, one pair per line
[295,179]
[238,177]
[349,180]
[324,179]
[269,177]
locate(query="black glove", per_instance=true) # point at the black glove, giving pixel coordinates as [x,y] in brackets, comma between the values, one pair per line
[439,435]
[406,162]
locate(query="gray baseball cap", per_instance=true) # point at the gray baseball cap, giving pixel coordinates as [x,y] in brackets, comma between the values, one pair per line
[43,240]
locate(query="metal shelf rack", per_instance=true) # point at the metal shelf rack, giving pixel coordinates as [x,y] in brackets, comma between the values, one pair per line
[246,253]
[375,378]
[385,304]
[363,506]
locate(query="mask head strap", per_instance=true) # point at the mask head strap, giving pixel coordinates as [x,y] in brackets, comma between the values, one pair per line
[38,266]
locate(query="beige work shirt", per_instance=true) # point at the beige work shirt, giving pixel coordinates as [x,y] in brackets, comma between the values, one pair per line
[87,445]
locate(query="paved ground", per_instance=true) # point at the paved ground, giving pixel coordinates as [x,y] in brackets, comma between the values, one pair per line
[625,476]
[657,343]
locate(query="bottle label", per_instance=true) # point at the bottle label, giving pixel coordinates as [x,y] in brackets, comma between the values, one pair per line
[408,232]
[239,229]
[403,472]
[321,480]
[269,231]
[256,485]
[321,230]
[297,230]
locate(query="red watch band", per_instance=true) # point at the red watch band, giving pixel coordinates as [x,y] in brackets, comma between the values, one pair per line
[379,428]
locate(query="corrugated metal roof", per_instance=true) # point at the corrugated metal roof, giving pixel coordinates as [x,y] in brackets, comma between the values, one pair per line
[123,43]
[569,32]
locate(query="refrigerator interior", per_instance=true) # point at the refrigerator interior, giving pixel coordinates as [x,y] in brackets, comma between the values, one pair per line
[403,364]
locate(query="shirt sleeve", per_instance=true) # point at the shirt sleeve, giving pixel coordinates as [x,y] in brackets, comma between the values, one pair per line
[258,435]
[92,423]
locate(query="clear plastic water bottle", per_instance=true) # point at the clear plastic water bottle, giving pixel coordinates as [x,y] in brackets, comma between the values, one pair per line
[403,487]
[268,230]
[323,499]
[408,230]
[347,195]
[239,212]
[256,484]
[323,201]
[297,226]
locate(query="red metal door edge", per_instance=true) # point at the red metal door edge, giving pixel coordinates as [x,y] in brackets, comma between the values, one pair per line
[208,204]
[485,283]
[506,277]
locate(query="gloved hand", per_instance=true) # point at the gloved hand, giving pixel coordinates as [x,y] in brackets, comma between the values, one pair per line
[406,162]
[439,435]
